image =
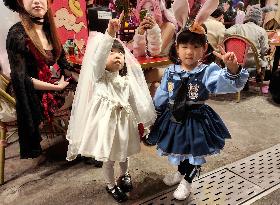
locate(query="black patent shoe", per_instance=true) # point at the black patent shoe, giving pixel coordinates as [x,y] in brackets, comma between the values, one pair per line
[117,193]
[98,164]
[125,183]
[92,161]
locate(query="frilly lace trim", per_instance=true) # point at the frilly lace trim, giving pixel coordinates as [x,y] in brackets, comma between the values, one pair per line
[115,78]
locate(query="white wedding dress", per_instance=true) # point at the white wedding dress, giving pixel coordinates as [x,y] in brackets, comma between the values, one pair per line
[106,111]
[111,130]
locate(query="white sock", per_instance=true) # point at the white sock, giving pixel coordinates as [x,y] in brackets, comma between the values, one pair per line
[123,167]
[108,171]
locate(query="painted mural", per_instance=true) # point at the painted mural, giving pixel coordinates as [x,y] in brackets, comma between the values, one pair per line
[71,21]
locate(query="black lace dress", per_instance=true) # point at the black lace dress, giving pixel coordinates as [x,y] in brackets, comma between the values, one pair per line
[29,107]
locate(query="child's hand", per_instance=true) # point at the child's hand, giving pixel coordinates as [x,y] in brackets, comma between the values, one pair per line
[115,25]
[229,59]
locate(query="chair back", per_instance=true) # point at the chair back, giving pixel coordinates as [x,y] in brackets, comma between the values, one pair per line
[7,102]
[239,45]
[4,81]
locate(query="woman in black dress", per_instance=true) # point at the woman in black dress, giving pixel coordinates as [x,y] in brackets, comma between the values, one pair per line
[33,47]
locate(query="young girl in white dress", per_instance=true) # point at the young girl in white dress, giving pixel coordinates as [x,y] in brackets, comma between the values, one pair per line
[111,99]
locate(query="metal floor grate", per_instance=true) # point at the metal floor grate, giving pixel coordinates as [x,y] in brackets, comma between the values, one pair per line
[263,168]
[231,185]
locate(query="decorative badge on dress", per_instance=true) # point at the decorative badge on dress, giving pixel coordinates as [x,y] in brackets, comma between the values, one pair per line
[170,86]
[193,91]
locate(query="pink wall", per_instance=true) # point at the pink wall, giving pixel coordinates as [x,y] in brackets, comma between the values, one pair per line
[70,18]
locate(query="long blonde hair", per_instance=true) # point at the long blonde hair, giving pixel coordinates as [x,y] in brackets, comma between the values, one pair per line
[49,28]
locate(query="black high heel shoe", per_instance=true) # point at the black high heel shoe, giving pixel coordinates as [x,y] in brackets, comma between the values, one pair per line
[117,193]
[125,183]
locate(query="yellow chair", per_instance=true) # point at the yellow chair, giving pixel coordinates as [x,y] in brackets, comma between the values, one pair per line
[240,46]
[10,101]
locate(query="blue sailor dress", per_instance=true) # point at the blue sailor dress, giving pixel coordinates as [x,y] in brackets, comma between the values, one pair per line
[186,127]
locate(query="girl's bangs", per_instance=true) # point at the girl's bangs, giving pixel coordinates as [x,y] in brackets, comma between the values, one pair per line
[188,37]
[118,45]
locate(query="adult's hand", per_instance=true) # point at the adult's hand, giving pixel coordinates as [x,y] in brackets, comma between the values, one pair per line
[148,23]
[62,83]
[151,22]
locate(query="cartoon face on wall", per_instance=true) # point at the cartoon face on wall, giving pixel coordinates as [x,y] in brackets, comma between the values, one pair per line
[70,19]
[65,19]
[75,8]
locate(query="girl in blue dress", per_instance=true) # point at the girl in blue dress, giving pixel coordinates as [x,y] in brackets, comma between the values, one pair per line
[187,129]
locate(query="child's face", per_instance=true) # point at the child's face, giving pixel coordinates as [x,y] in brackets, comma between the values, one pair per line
[190,54]
[115,60]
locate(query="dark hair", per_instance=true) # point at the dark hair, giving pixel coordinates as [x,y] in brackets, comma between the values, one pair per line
[230,2]
[168,3]
[119,46]
[218,12]
[185,37]
[50,31]
[209,57]
[240,5]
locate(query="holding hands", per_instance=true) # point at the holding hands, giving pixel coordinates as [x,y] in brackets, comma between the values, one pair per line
[115,25]
[229,59]
[148,23]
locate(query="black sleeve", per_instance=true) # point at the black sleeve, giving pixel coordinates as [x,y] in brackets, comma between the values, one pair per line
[28,105]
[21,81]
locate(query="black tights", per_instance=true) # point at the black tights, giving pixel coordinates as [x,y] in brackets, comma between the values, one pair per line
[189,170]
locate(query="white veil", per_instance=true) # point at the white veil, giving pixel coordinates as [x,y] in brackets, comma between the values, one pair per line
[141,101]
[8,18]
